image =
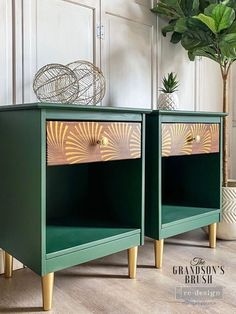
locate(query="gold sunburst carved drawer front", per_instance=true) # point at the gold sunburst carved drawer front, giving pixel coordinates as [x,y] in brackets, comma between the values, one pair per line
[83,142]
[189,139]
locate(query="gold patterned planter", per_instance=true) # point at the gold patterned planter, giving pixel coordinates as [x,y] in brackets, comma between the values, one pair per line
[226,229]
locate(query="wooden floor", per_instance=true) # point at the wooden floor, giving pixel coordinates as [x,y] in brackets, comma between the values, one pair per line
[102,286]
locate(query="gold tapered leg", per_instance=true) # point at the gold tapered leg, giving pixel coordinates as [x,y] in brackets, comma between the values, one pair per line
[212,235]
[47,290]
[132,257]
[8,265]
[158,248]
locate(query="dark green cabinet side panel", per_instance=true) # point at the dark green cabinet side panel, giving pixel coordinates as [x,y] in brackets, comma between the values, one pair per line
[152,177]
[20,193]
[143,179]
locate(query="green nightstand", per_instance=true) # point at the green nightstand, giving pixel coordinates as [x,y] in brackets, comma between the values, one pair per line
[183,174]
[73,186]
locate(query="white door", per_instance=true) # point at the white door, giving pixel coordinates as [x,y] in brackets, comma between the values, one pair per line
[57,31]
[128,52]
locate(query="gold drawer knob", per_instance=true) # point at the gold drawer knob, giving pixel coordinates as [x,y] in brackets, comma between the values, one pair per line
[104,141]
[196,139]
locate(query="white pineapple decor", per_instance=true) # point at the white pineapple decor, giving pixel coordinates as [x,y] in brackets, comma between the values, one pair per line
[168,99]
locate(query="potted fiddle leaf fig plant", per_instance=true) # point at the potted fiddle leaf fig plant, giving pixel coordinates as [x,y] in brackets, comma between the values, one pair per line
[168,99]
[207,28]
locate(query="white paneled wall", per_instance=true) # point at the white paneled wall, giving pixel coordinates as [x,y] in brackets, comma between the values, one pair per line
[57,31]
[174,59]
[200,81]
[210,86]
[129,53]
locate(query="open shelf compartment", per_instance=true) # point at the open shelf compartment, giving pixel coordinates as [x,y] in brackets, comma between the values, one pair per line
[179,214]
[92,204]
[67,239]
[191,188]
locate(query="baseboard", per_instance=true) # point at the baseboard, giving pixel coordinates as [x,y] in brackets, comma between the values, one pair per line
[16,264]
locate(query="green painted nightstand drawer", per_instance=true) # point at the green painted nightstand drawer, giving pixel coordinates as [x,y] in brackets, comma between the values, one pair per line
[189,138]
[89,141]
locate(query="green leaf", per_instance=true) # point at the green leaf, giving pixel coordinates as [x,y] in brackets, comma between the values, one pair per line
[195,6]
[208,10]
[204,3]
[169,9]
[170,83]
[175,5]
[217,17]
[194,25]
[202,26]
[181,25]
[232,28]
[191,40]
[190,7]
[228,46]
[223,17]
[230,39]
[177,8]
[191,56]
[206,52]
[230,3]
[176,38]
[228,51]
[208,21]
[167,29]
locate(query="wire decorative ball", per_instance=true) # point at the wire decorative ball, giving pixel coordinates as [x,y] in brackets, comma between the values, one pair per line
[56,83]
[92,84]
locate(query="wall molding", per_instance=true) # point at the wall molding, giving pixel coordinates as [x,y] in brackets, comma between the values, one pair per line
[6,51]
[198,74]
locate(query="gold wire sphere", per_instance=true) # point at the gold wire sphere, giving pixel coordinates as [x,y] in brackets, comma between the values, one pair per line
[80,82]
[56,83]
[92,84]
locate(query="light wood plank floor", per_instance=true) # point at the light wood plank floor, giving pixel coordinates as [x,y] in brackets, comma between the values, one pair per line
[102,286]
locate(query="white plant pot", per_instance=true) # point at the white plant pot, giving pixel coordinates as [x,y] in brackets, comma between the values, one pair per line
[226,229]
[168,101]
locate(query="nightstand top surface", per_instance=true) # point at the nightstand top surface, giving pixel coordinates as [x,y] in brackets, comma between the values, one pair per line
[54,106]
[188,113]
